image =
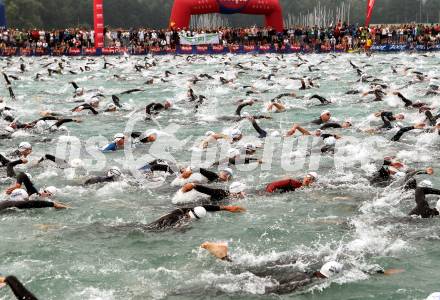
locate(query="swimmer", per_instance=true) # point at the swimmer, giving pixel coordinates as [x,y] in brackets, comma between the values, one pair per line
[149,136]
[20,292]
[286,277]
[290,185]
[321,99]
[117,144]
[154,108]
[182,216]
[236,190]
[383,176]
[156,165]
[403,130]
[113,174]
[344,125]
[323,118]
[422,208]
[409,103]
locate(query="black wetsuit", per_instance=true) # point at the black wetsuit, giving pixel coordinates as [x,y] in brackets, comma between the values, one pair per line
[86,106]
[410,182]
[23,179]
[381,177]
[422,209]
[99,179]
[318,121]
[216,194]
[321,99]
[387,117]
[233,161]
[20,292]
[25,204]
[154,108]
[175,218]
[211,176]
[330,125]
[262,133]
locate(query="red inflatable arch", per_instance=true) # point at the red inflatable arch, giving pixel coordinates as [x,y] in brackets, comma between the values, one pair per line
[183,9]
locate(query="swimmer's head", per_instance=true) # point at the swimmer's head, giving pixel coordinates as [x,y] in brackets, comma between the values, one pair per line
[79,92]
[209,133]
[400,116]
[118,137]
[330,269]
[167,104]
[310,178]
[347,124]
[233,153]
[50,191]
[325,116]
[318,132]
[94,102]
[111,107]
[250,148]
[330,141]
[237,188]
[226,174]
[19,195]
[114,172]
[236,134]
[198,212]
[25,148]
[425,183]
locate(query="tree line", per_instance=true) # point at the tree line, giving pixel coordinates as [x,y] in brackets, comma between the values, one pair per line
[56,14]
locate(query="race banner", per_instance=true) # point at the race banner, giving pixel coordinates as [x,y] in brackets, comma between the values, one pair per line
[200,39]
[370,6]
[98,13]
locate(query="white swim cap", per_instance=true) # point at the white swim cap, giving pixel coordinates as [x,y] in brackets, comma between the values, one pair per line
[325,112]
[114,172]
[198,212]
[237,187]
[250,147]
[235,133]
[313,174]
[148,133]
[76,163]
[118,136]
[8,113]
[233,152]
[79,91]
[330,141]
[50,190]
[41,123]
[19,195]
[24,146]
[111,106]
[434,296]
[209,133]
[425,183]
[331,268]
[92,100]
[438,123]
[275,133]
[228,170]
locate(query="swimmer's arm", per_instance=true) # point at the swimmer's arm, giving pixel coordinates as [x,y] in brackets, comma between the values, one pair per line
[260,131]
[216,194]
[280,107]
[330,125]
[304,131]
[17,288]
[211,176]
[232,209]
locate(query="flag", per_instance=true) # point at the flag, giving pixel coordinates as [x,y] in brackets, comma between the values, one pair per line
[370,6]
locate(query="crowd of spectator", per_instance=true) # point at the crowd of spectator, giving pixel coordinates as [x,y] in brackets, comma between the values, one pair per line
[342,35]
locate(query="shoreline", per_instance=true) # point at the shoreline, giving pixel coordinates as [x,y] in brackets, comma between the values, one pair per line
[209,50]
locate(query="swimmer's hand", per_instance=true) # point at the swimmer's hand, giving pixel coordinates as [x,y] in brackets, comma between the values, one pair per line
[390,272]
[219,250]
[2,280]
[188,187]
[12,188]
[430,171]
[233,209]
[58,205]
